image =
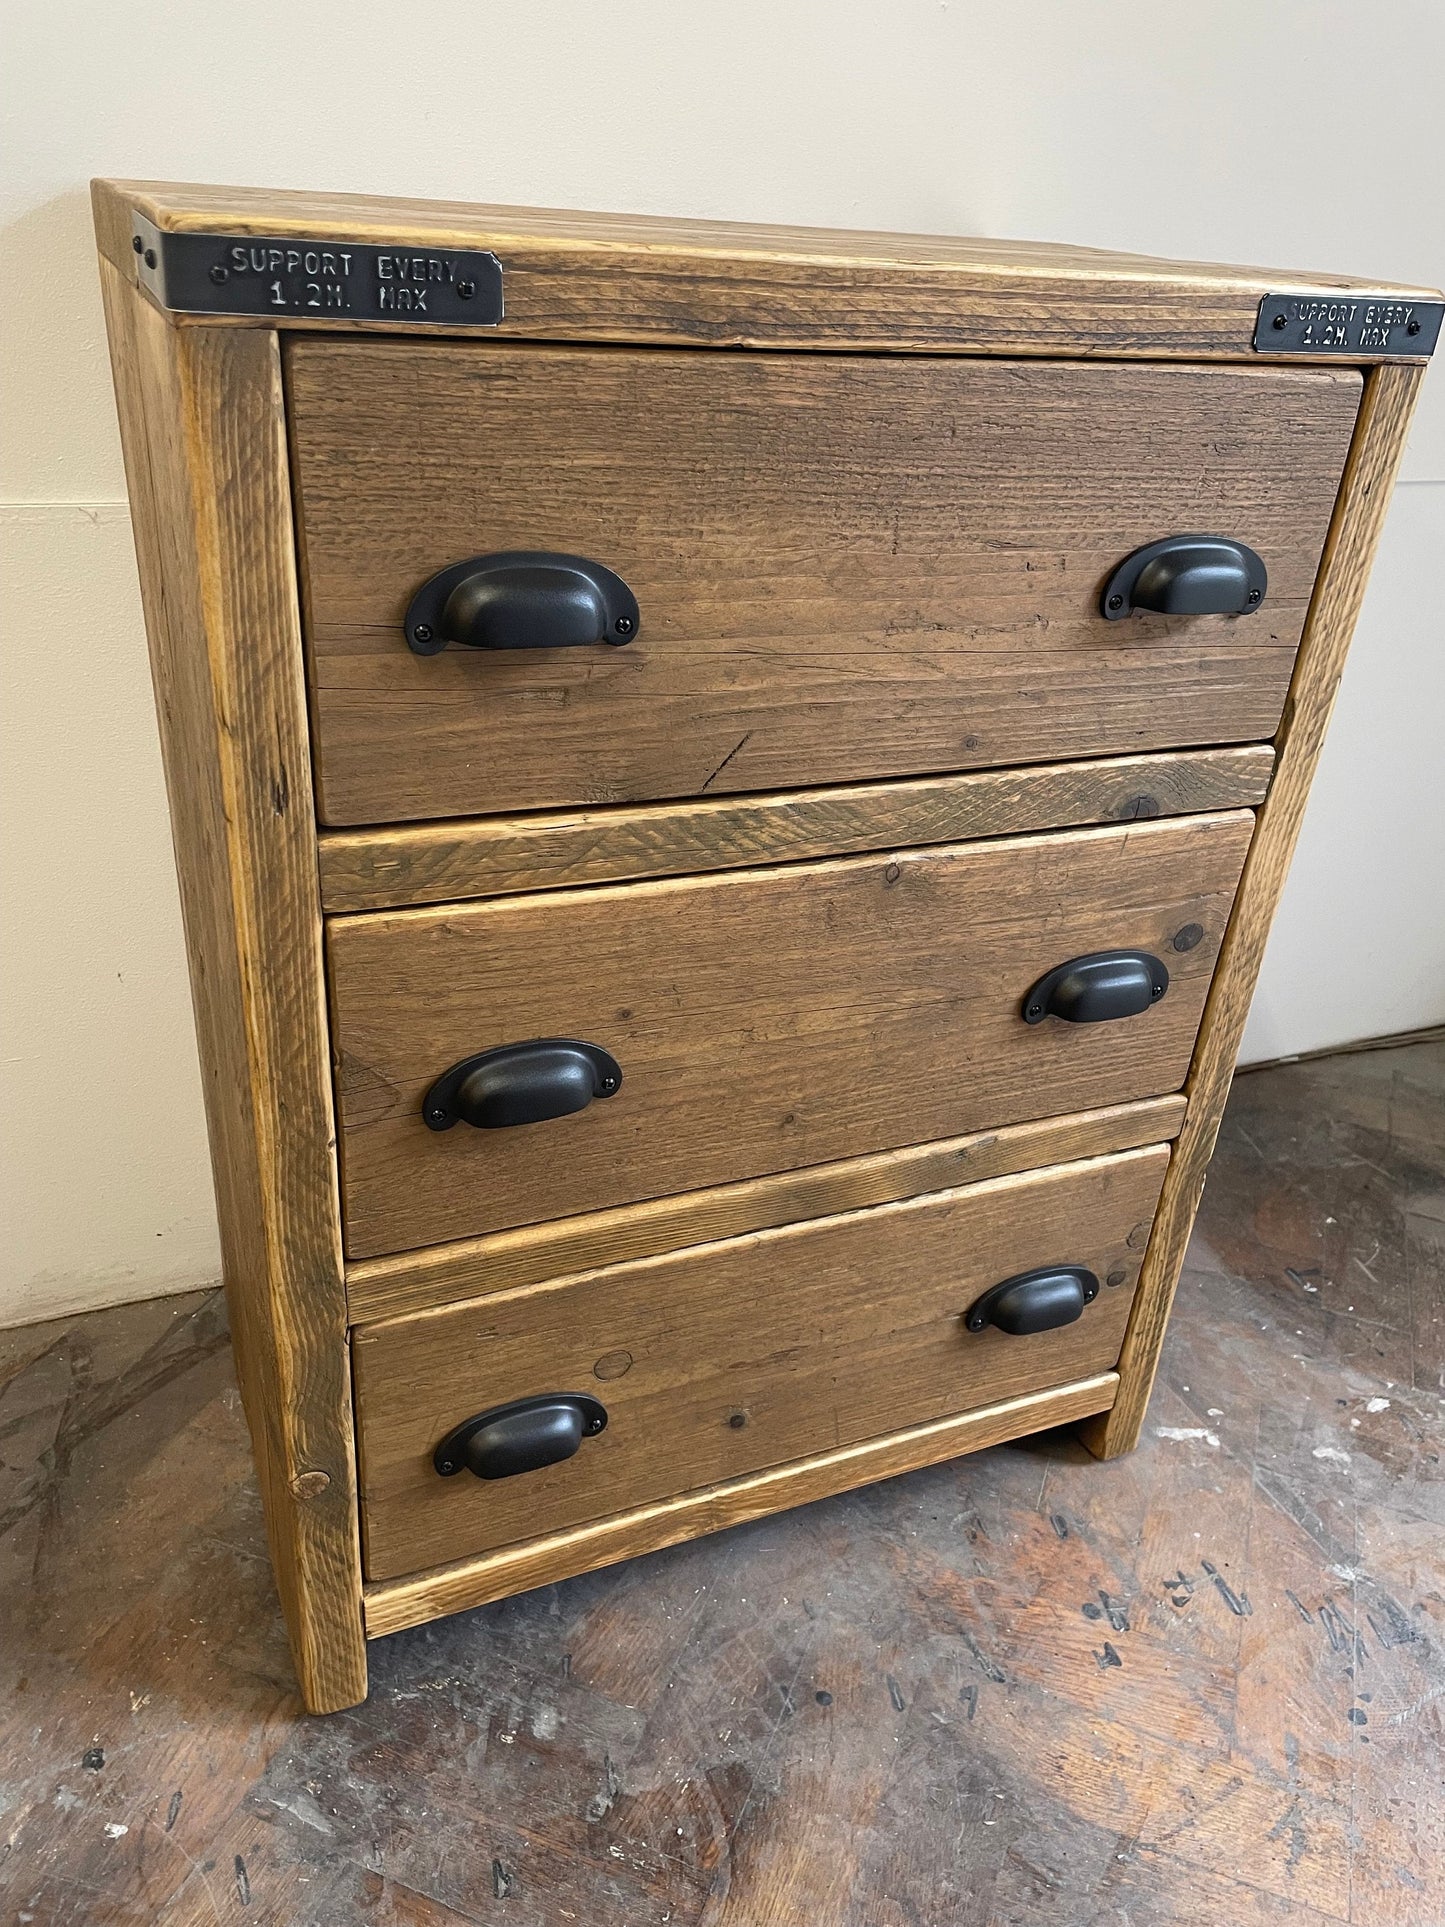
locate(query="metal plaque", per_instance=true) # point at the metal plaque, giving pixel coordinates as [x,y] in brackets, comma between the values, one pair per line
[1346,324]
[284,276]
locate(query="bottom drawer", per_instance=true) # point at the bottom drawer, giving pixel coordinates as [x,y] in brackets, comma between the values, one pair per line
[722,1359]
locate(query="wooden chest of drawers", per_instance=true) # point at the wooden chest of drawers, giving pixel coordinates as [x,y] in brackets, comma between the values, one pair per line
[729,787]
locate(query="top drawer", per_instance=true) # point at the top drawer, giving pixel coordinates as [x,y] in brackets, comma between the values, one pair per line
[848,567]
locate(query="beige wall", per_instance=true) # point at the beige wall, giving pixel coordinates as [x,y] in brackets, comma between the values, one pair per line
[1230,129]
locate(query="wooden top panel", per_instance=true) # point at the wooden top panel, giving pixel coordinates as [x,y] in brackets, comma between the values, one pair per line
[636,277]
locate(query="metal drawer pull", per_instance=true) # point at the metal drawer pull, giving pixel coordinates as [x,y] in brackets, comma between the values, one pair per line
[521,1084]
[521,599]
[1186,575]
[521,1437]
[1034,1301]
[1097,988]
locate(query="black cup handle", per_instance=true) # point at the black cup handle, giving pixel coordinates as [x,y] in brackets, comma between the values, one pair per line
[1186,575]
[520,1437]
[1034,1301]
[1097,988]
[521,1084]
[521,599]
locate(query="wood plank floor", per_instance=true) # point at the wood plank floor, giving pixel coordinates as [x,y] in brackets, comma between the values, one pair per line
[1205,1684]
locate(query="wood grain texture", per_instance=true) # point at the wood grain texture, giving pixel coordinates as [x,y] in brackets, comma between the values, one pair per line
[379,869]
[725,1359]
[848,567]
[637,277]
[386,1287]
[1359,516]
[764,1020]
[393,1605]
[202,425]
[202,418]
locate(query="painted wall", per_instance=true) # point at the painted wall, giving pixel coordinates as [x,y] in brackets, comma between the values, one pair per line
[1224,130]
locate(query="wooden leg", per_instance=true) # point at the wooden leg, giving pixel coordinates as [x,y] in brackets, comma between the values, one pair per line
[204,435]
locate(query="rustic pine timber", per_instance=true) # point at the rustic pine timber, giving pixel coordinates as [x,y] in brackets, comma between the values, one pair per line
[444,1274]
[838,1330]
[1379,444]
[389,868]
[205,451]
[720,284]
[848,566]
[227,421]
[764,1020]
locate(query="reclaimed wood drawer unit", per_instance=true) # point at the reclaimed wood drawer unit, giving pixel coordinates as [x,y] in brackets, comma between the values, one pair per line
[729,787]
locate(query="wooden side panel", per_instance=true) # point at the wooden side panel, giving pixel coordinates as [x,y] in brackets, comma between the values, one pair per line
[201,417]
[848,567]
[395,1604]
[764,1020]
[420,1280]
[502,855]
[1354,535]
[722,1360]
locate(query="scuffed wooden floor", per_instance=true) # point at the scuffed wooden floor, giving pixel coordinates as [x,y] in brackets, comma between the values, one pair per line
[1201,1685]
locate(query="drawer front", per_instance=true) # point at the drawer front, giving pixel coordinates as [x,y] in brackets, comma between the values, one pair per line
[847,567]
[763,1020]
[723,1359]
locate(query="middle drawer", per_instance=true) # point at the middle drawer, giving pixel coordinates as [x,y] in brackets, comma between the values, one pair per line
[763,1020]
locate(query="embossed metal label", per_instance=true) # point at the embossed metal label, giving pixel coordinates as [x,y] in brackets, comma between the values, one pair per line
[317,280]
[1346,324]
